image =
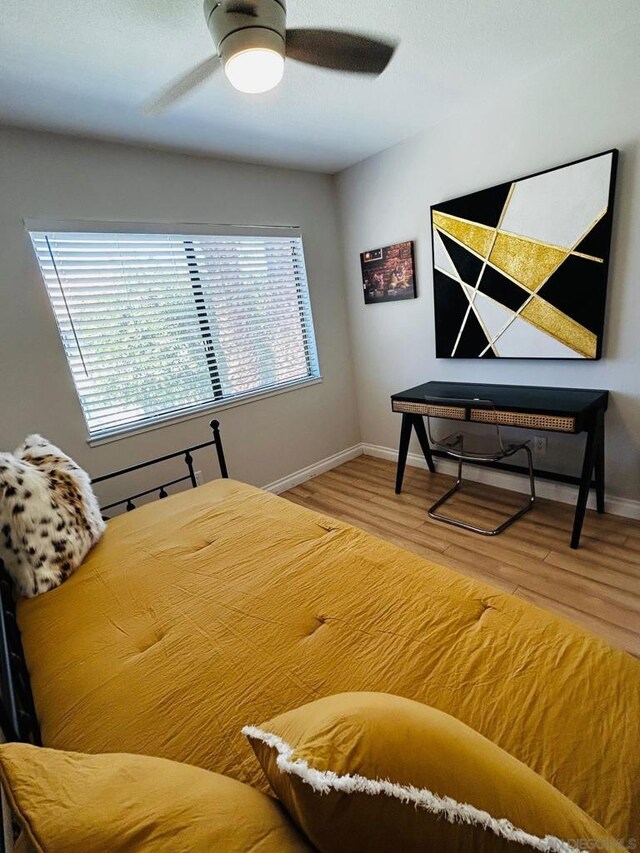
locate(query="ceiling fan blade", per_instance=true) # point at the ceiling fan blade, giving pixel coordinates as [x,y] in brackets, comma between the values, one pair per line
[181,87]
[340,51]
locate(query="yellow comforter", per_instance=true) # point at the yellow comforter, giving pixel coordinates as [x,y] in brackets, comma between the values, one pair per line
[225,605]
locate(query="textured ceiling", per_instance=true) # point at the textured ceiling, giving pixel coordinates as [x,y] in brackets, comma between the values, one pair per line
[86,67]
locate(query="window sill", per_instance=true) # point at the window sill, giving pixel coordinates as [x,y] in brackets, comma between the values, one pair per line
[207,409]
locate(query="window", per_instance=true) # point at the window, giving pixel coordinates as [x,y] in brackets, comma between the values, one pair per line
[159,325]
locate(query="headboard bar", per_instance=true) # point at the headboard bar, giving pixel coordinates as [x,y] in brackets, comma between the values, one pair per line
[18,711]
[186,454]
[159,489]
[9,720]
[215,427]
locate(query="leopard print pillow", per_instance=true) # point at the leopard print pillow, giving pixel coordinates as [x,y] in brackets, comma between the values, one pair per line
[49,516]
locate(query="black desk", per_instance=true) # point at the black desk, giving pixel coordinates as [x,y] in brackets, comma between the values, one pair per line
[567,410]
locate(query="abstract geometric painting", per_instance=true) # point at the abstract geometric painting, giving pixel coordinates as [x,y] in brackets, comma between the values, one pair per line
[520,269]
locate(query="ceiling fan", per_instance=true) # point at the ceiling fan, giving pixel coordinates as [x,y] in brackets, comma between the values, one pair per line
[252,39]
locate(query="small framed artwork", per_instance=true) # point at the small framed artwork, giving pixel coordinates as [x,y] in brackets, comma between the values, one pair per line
[520,269]
[388,274]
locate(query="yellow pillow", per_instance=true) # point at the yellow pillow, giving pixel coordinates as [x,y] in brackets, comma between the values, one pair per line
[374,772]
[72,803]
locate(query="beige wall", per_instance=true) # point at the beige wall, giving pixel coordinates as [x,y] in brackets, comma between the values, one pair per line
[48,176]
[577,107]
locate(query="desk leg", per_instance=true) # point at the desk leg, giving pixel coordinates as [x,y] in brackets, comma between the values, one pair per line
[405,436]
[600,444]
[418,425]
[590,453]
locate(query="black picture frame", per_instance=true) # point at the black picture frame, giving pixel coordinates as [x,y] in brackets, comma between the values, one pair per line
[388,273]
[580,319]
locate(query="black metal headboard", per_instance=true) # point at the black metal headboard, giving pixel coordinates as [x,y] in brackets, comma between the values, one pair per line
[18,719]
[162,489]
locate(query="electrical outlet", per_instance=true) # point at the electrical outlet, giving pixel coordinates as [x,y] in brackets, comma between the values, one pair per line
[199,478]
[540,445]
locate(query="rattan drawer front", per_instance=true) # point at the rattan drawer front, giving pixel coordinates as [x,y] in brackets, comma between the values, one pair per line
[520,419]
[427,409]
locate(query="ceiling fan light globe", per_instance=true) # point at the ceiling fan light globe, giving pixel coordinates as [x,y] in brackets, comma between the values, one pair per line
[255,70]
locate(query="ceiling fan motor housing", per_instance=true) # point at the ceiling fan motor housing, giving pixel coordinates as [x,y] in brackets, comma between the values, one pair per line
[237,25]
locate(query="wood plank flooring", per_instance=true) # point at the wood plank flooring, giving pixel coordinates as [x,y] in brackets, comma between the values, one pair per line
[597,586]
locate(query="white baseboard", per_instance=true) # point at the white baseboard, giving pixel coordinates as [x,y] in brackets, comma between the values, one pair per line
[313,470]
[503,479]
[515,482]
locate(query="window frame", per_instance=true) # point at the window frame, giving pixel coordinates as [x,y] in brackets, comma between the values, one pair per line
[183,229]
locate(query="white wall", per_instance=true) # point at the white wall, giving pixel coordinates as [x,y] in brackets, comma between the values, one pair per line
[47,176]
[578,106]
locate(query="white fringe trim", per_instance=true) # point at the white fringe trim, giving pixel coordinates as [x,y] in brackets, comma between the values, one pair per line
[325,781]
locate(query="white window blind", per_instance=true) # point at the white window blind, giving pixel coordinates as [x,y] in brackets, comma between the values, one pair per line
[158,325]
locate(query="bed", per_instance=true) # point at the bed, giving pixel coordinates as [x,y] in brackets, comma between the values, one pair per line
[225,605]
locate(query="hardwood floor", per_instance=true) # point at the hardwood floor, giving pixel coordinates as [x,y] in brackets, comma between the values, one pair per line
[597,586]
